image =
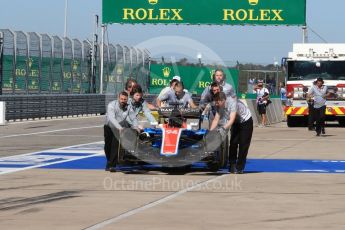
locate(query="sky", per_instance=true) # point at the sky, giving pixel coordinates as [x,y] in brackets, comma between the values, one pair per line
[245,44]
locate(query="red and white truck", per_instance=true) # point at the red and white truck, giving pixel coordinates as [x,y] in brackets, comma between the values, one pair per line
[304,64]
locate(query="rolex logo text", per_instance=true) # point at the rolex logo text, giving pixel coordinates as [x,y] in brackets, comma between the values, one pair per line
[142,14]
[253,14]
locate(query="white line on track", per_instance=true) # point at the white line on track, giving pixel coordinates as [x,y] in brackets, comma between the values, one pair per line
[51,131]
[151,205]
[54,119]
[70,135]
[57,162]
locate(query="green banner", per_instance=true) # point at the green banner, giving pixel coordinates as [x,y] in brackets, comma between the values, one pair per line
[33,74]
[45,75]
[194,78]
[7,73]
[20,74]
[76,76]
[219,12]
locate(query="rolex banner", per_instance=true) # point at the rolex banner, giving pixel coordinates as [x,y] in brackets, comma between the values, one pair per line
[194,78]
[219,12]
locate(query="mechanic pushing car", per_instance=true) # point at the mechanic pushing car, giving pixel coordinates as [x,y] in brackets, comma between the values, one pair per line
[179,96]
[137,104]
[231,112]
[207,104]
[117,119]
[219,77]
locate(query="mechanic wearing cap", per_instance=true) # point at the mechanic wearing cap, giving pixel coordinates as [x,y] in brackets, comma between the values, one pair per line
[231,112]
[117,118]
[178,95]
[262,96]
[319,92]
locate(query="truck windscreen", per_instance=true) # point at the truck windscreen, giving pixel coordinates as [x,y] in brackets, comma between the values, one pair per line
[309,70]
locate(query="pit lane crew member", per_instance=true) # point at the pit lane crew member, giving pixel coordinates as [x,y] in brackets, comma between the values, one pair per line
[137,104]
[179,96]
[207,103]
[117,118]
[231,112]
[219,77]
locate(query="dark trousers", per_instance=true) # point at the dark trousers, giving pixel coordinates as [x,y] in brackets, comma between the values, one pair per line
[320,115]
[241,136]
[111,146]
[311,117]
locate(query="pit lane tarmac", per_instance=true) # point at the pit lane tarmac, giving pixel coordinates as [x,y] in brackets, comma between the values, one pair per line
[53,177]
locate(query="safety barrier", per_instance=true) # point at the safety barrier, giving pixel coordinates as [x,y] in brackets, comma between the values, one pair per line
[274,111]
[20,107]
[2,112]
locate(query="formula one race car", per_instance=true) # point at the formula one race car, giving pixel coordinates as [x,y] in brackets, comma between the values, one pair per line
[178,141]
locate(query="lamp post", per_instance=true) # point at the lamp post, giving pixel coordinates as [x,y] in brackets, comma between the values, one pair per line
[199,56]
[65,27]
[277,82]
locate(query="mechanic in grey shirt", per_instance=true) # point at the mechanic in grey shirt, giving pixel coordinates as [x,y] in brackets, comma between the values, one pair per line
[207,97]
[137,104]
[233,113]
[117,118]
[319,92]
[219,77]
[207,104]
[179,96]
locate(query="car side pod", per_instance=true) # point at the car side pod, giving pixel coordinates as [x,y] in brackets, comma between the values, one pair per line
[213,141]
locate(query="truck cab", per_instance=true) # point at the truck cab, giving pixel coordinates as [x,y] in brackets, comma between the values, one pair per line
[303,65]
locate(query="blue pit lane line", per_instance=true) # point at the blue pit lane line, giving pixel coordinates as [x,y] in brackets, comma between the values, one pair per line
[253,165]
[91,157]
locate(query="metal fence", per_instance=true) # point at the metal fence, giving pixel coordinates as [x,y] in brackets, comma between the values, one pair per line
[34,63]
[20,107]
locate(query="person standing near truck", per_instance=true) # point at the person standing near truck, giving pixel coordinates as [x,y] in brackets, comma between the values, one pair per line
[319,92]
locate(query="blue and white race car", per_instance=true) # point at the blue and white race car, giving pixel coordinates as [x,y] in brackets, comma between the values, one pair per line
[178,141]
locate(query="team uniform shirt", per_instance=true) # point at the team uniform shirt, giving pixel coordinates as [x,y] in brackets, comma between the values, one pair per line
[116,115]
[165,91]
[207,97]
[228,90]
[233,105]
[319,95]
[136,108]
[171,97]
[259,94]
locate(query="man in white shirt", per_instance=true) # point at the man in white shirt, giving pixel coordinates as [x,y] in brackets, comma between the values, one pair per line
[262,96]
